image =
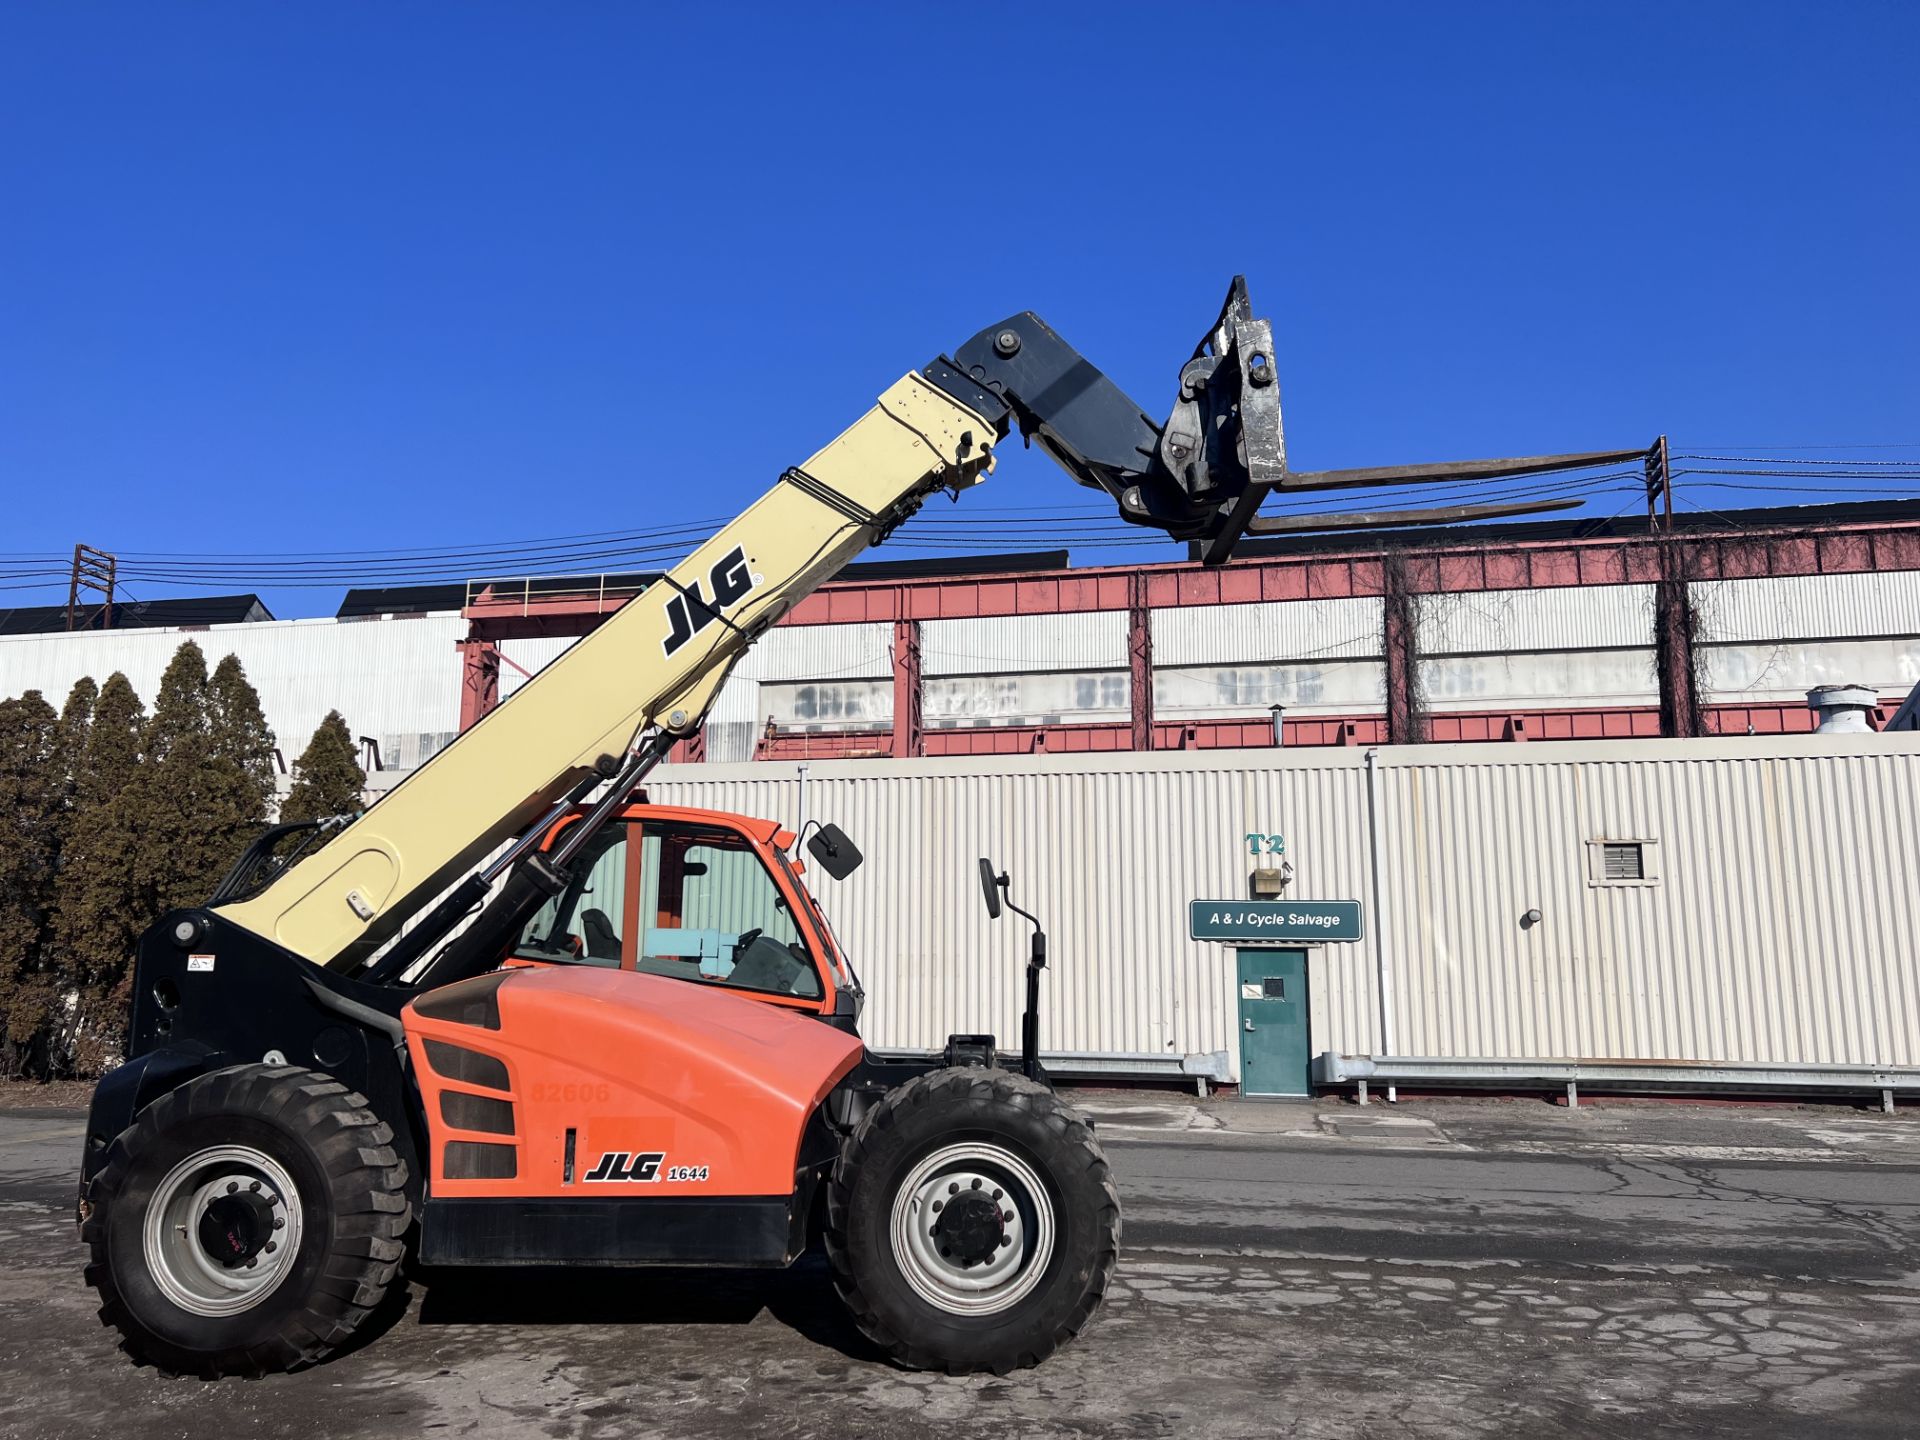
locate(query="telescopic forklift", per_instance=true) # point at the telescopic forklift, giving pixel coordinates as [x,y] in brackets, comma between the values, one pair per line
[514,1014]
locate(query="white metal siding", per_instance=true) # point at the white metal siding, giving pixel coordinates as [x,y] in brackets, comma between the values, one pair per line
[1779,928]
[1094,640]
[1325,687]
[786,652]
[387,677]
[1810,607]
[1787,669]
[1498,622]
[1556,681]
[1344,629]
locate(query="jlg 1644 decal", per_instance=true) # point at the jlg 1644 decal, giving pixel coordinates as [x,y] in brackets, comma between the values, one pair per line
[643,1168]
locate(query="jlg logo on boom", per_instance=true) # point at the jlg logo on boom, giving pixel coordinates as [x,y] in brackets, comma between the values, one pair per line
[688,613]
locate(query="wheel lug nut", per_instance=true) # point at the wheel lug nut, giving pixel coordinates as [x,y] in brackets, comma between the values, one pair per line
[976,1182]
[1007,1216]
[938,1205]
[252,1260]
[953,1189]
[272,1245]
[255,1187]
[996,1194]
[232,1186]
[1005,1241]
[279,1222]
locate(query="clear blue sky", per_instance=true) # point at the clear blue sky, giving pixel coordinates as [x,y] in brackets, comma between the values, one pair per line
[355,277]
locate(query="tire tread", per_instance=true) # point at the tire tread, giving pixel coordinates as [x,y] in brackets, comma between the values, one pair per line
[1000,1089]
[367,1182]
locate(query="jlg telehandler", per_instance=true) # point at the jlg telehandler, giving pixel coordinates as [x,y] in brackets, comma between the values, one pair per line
[516,1015]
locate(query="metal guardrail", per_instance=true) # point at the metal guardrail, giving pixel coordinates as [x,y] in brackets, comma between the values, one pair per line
[1130,1065]
[1626,1076]
[1138,1065]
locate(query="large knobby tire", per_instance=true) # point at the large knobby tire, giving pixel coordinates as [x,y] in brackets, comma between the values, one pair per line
[246,1222]
[971,1223]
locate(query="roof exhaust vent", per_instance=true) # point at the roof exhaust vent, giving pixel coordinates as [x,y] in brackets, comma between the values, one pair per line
[1843,709]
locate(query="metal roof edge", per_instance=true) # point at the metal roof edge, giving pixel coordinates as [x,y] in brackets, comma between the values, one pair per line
[1322,757]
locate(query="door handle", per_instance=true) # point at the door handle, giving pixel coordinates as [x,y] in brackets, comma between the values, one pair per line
[1248,1024]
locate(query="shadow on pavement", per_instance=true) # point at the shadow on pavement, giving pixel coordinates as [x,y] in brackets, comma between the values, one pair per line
[801,1298]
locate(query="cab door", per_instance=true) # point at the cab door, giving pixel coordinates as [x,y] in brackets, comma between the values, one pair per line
[688,899]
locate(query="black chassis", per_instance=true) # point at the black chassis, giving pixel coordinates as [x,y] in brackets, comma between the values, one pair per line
[208,994]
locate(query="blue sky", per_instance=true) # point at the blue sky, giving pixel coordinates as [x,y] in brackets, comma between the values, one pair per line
[394,277]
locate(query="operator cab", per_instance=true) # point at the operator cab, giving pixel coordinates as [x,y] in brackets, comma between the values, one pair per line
[695,895]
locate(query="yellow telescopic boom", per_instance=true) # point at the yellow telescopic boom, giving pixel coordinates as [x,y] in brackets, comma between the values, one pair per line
[656,664]
[613,704]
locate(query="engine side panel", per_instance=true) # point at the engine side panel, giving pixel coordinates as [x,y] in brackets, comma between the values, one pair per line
[578,1082]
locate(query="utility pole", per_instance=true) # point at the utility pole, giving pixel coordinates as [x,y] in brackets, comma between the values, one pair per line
[1659,488]
[92,570]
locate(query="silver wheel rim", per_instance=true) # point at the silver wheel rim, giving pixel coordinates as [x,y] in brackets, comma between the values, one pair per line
[187,1272]
[1026,1238]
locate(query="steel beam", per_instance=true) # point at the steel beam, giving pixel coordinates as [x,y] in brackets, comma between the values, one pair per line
[908,691]
[479,679]
[1140,663]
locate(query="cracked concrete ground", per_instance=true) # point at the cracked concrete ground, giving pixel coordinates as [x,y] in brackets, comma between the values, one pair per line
[1459,1269]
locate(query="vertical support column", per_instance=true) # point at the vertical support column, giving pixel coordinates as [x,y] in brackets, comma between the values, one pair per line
[1673,633]
[909,737]
[1400,644]
[1140,662]
[479,679]
[1674,618]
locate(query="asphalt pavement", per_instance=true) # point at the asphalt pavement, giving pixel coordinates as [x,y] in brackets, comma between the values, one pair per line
[1460,1269]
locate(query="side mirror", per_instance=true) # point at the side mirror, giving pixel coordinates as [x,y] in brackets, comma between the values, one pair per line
[990,888]
[838,855]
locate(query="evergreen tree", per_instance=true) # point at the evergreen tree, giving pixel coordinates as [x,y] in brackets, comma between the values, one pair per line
[98,918]
[177,810]
[30,813]
[327,778]
[70,740]
[241,755]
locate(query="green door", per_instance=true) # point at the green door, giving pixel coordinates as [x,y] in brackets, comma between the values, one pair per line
[1273,1022]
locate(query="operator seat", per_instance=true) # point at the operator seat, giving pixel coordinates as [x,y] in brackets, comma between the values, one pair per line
[603,942]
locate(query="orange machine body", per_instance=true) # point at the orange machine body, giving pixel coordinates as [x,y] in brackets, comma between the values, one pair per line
[565,1081]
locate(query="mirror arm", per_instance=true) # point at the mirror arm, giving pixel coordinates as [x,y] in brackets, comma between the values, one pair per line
[1031,919]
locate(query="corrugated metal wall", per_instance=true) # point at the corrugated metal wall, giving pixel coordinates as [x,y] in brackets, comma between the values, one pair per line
[1336,629]
[391,679]
[1498,622]
[1810,607]
[1780,926]
[1004,645]
[1765,639]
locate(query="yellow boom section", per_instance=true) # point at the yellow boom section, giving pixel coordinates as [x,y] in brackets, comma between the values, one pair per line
[658,662]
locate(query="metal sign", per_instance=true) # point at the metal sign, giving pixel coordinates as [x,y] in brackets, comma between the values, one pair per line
[1274,922]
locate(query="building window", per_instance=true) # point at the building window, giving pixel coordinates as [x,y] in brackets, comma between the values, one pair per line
[1623,862]
[828,705]
[1038,698]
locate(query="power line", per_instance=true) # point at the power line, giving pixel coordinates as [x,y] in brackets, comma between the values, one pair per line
[1795,460]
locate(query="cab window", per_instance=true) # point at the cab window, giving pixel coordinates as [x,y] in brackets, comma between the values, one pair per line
[692,902]
[587,920]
